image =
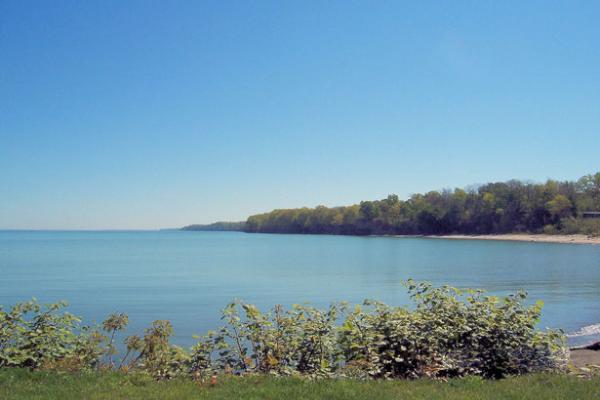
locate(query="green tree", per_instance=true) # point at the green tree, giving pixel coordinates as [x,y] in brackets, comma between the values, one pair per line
[559,206]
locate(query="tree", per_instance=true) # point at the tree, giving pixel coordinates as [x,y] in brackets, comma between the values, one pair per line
[498,207]
[559,206]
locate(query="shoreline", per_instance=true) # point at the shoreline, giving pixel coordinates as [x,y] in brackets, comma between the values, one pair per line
[586,355]
[524,237]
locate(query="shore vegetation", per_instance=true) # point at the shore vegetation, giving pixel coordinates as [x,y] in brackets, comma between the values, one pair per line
[553,207]
[447,333]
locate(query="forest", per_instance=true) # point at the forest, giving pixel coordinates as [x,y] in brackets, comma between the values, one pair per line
[501,207]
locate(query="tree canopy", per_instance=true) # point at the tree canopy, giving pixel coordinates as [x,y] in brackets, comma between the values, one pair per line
[500,207]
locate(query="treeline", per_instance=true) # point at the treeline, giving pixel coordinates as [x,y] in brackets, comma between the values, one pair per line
[502,207]
[217,226]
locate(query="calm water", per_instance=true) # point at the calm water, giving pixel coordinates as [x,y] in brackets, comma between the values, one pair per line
[187,277]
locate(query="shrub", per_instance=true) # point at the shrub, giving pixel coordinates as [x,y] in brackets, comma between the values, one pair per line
[297,341]
[448,333]
[551,230]
[590,227]
[36,336]
[451,333]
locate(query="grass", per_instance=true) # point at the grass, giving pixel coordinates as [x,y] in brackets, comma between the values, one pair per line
[24,384]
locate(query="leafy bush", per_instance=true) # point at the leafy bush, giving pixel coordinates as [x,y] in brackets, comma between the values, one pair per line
[590,227]
[448,333]
[448,336]
[34,336]
[551,230]
[297,341]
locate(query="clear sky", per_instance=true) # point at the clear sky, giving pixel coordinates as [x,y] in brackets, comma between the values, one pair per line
[147,114]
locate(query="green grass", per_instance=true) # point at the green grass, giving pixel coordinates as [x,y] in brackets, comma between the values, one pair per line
[23,384]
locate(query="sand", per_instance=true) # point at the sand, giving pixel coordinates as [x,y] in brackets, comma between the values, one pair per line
[525,237]
[585,357]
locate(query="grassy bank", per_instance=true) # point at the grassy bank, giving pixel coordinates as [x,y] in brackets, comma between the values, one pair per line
[24,384]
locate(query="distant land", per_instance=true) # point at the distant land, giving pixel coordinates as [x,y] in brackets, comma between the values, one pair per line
[217,226]
[550,208]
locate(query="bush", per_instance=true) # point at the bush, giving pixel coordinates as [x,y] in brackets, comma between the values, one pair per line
[449,333]
[590,227]
[33,336]
[550,230]
[449,336]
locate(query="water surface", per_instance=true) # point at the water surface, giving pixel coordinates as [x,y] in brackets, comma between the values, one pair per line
[187,277]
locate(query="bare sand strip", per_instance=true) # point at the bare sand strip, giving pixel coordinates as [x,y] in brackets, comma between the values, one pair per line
[526,237]
[585,357]
[588,355]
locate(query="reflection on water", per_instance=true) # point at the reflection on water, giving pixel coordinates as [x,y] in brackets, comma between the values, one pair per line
[187,277]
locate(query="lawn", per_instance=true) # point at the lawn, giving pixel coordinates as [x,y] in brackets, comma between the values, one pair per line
[23,384]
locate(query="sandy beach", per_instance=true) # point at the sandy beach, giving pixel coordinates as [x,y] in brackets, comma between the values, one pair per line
[526,237]
[584,357]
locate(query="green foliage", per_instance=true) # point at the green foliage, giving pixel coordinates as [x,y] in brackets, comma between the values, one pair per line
[43,337]
[36,336]
[114,322]
[293,342]
[502,207]
[560,206]
[590,227]
[156,356]
[448,333]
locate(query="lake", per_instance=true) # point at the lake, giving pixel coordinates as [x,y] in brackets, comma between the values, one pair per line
[187,277]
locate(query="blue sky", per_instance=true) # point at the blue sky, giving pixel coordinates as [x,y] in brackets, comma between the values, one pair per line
[147,114]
